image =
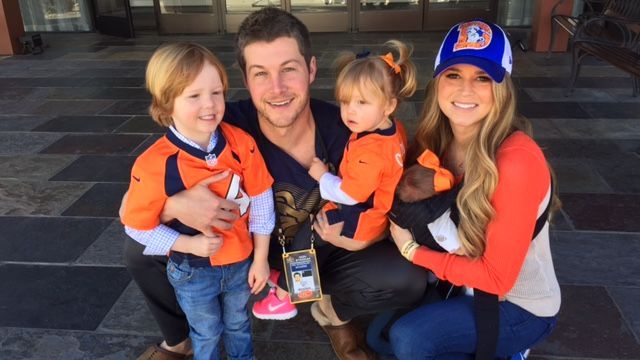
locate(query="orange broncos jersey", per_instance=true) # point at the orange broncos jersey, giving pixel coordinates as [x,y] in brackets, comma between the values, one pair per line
[170,166]
[370,170]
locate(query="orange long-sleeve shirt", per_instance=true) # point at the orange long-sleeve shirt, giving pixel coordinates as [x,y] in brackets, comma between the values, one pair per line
[523,185]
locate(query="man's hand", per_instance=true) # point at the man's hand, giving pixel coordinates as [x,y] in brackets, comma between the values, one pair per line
[317,169]
[258,275]
[200,208]
[203,245]
[331,233]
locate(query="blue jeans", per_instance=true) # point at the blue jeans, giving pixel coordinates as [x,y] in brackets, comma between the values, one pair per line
[214,298]
[447,330]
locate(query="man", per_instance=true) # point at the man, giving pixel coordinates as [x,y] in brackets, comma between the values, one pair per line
[274,53]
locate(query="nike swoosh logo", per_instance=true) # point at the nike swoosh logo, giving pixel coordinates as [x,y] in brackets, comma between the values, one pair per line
[135,178]
[274,308]
[362,162]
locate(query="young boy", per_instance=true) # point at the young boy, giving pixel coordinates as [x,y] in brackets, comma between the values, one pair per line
[212,276]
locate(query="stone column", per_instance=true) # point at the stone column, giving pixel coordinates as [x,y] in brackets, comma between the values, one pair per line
[11,27]
[541,25]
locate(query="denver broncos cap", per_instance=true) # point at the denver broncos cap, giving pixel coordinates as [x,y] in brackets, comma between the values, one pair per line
[478,43]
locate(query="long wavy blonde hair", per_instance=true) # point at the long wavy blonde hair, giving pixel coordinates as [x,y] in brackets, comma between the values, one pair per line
[481,173]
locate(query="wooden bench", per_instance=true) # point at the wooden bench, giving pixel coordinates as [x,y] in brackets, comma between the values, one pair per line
[569,23]
[613,37]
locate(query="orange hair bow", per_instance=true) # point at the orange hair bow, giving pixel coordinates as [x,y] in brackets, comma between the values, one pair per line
[392,64]
[443,178]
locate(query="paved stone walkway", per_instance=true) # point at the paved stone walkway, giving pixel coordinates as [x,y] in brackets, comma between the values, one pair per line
[73,119]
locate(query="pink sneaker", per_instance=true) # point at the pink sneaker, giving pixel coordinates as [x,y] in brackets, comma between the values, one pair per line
[272,308]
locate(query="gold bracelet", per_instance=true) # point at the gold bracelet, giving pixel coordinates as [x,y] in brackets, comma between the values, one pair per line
[409,249]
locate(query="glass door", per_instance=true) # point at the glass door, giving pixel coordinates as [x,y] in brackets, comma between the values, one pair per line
[389,15]
[113,17]
[442,14]
[317,15]
[187,16]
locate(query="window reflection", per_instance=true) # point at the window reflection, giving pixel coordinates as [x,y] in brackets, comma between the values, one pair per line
[186,6]
[55,15]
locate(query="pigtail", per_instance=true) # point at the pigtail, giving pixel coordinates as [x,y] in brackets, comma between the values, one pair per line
[405,82]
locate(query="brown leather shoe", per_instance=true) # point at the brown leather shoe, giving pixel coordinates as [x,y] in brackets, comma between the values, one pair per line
[155,352]
[347,341]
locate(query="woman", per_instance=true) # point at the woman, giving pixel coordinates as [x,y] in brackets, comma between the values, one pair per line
[469,120]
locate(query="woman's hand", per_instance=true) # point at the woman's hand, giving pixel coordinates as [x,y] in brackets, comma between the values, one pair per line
[399,235]
[201,209]
[331,233]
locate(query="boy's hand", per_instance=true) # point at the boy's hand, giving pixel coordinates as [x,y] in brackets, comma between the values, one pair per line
[205,246]
[258,275]
[317,169]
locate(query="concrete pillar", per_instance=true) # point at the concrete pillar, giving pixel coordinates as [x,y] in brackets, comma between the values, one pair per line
[541,25]
[11,27]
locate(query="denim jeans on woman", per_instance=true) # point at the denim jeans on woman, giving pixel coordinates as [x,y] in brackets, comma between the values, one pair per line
[214,298]
[447,330]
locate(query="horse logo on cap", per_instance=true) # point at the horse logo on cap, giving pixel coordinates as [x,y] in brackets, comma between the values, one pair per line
[473,35]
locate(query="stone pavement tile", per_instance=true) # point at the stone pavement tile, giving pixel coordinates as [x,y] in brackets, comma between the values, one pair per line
[522,96]
[596,82]
[534,82]
[150,141]
[97,168]
[72,107]
[123,94]
[560,222]
[617,111]
[16,143]
[623,174]
[560,95]
[589,326]
[102,200]
[21,122]
[47,239]
[624,95]
[130,315]
[127,107]
[116,144]
[141,124]
[32,167]
[616,263]
[291,350]
[108,249]
[65,93]
[98,124]
[116,81]
[599,149]
[18,197]
[544,128]
[36,344]
[599,128]
[58,297]
[302,328]
[603,212]
[15,93]
[53,82]
[578,176]
[552,110]
[627,299]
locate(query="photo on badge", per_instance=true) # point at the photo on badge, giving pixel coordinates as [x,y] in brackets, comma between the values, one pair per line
[303,280]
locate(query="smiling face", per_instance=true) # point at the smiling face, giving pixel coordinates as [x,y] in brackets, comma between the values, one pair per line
[198,110]
[368,113]
[465,96]
[278,80]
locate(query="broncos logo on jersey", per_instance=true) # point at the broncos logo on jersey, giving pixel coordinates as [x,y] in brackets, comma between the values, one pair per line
[473,35]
